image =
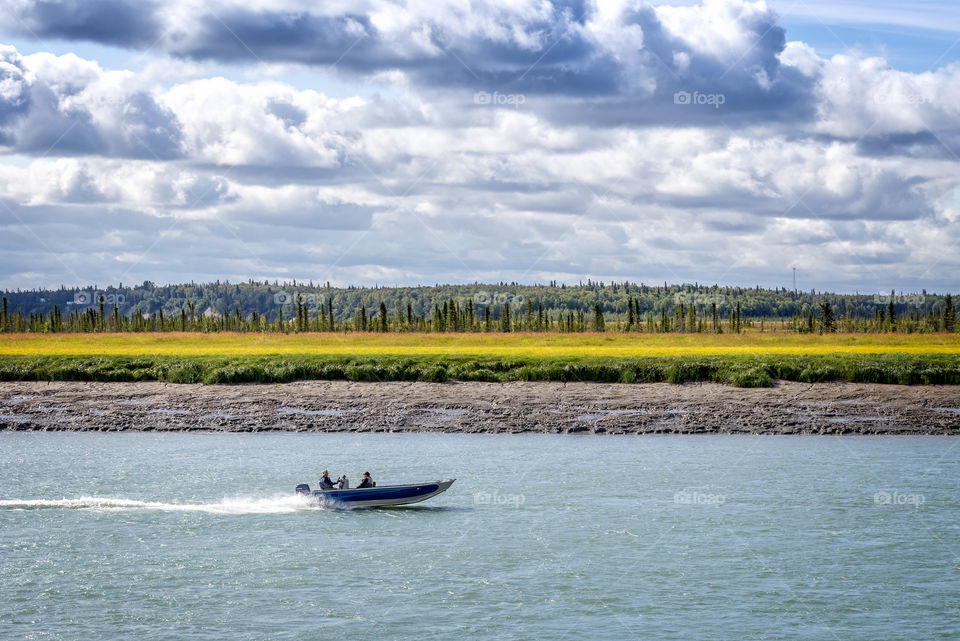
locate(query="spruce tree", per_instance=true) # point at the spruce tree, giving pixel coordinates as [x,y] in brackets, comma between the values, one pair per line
[597,323]
[827,321]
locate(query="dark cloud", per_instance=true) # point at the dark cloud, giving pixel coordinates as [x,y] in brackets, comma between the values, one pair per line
[143,129]
[885,196]
[127,23]
[290,115]
[46,127]
[552,51]
[923,144]
[353,42]
[246,35]
[146,129]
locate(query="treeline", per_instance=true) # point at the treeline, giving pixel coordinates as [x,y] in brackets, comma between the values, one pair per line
[301,311]
[267,299]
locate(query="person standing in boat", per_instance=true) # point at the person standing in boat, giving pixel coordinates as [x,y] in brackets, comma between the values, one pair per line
[366,481]
[325,482]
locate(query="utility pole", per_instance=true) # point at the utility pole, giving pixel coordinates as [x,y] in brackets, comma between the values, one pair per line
[794,280]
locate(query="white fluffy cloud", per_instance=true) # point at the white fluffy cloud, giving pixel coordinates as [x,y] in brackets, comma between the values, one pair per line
[265,124]
[64,104]
[866,97]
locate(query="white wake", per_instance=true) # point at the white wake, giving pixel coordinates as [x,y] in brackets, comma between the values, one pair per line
[239,505]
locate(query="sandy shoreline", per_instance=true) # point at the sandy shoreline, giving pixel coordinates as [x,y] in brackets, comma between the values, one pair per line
[320,406]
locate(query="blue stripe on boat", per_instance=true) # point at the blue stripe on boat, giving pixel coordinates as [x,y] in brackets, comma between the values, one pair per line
[375,494]
[383,496]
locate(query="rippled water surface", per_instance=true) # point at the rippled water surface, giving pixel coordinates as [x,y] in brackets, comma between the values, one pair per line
[199,536]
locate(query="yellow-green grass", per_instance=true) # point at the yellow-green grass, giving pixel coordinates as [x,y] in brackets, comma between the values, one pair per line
[519,345]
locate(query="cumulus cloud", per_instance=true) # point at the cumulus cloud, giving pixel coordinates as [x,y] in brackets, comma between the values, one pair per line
[64,104]
[14,94]
[890,110]
[266,124]
[151,186]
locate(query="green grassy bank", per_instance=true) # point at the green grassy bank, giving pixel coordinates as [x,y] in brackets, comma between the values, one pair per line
[742,371]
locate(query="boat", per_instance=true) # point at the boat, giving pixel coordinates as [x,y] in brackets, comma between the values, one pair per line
[380,496]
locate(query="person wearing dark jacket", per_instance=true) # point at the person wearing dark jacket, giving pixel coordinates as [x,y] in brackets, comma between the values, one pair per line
[325,482]
[366,481]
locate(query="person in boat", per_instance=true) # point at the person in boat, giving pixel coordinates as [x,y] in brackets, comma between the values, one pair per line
[366,481]
[325,482]
[343,483]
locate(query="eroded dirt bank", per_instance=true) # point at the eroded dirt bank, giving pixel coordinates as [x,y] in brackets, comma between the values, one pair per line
[789,408]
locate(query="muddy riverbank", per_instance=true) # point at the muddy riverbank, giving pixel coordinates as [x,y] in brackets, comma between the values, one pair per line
[788,408]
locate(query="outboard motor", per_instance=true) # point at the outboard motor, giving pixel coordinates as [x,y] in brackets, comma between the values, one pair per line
[303,488]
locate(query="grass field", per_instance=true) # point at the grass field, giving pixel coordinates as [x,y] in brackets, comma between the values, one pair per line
[476,345]
[747,360]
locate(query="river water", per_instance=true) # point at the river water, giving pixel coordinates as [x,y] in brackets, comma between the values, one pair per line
[199,536]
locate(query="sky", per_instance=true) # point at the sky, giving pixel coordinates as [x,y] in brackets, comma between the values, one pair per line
[418,142]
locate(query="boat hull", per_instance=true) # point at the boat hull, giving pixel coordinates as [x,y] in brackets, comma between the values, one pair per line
[381,496]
